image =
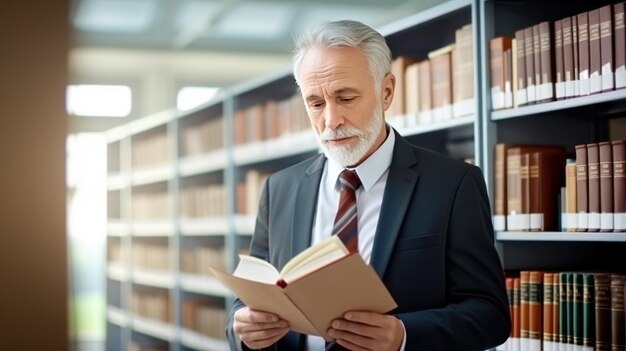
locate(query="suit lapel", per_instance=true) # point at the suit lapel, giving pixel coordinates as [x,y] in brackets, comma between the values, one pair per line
[398,192]
[305,206]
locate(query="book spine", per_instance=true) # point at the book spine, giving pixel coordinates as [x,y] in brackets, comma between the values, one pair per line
[496,49]
[606,44]
[514,189]
[583,53]
[593,177]
[556,305]
[575,53]
[602,292]
[500,163]
[529,52]
[425,100]
[571,213]
[569,307]
[524,175]
[563,316]
[521,96]
[619,39]
[606,186]
[534,192]
[508,77]
[548,300]
[582,201]
[525,310]
[589,328]
[547,65]
[441,73]
[516,328]
[535,316]
[558,58]
[617,312]
[537,62]
[577,310]
[595,58]
[619,185]
[568,56]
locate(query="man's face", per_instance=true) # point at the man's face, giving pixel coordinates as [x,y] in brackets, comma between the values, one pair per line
[343,105]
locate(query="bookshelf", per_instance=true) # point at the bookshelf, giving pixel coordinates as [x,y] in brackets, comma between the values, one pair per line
[196,201]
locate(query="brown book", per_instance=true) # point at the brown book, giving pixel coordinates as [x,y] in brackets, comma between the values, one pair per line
[546,177]
[255,123]
[524,176]
[529,53]
[619,39]
[305,294]
[535,309]
[575,53]
[571,212]
[595,56]
[271,119]
[547,69]
[241,129]
[508,78]
[500,185]
[520,95]
[559,87]
[508,283]
[593,187]
[606,47]
[548,316]
[537,62]
[497,48]
[464,63]
[568,56]
[425,88]
[412,93]
[441,74]
[617,312]
[583,54]
[602,292]
[619,186]
[524,309]
[582,184]
[516,326]
[606,186]
[398,68]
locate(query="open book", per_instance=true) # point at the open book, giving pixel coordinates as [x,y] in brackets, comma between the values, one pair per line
[316,286]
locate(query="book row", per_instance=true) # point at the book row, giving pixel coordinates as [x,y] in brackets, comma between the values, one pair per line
[197,260]
[204,137]
[537,189]
[150,150]
[153,305]
[205,317]
[566,311]
[204,201]
[437,87]
[574,56]
[151,255]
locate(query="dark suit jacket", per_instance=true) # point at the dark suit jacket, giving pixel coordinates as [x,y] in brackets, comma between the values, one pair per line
[434,247]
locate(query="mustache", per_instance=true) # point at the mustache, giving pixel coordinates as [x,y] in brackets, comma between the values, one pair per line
[340,133]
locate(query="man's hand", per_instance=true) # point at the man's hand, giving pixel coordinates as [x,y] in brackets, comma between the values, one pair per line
[363,331]
[259,329]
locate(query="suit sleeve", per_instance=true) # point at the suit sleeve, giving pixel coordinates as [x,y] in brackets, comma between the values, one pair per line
[476,314]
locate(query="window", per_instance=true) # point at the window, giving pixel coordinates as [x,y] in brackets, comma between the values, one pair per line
[99,100]
[191,97]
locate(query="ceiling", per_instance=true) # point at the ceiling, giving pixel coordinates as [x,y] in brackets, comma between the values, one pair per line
[242,26]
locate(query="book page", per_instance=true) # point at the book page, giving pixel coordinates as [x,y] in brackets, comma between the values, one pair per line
[314,257]
[256,269]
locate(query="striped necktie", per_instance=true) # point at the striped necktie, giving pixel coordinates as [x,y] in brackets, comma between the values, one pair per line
[345,225]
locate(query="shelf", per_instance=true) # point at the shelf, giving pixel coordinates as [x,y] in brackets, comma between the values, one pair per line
[157,329]
[206,226]
[117,228]
[155,120]
[204,163]
[203,285]
[117,181]
[118,316]
[560,105]
[151,175]
[561,236]
[425,16]
[437,126]
[118,271]
[200,342]
[244,225]
[154,278]
[290,145]
[153,228]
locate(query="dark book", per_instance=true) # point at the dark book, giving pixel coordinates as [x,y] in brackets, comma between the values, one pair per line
[535,309]
[583,54]
[617,312]
[559,86]
[593,190]
[546,177]
[595,56]
[521,97]
[525,310]
[529,53]
[516,326]
[606,44]
[556,305]
[568,56]
[619,186]
[564,323]
[582,199]
[497,47]
[602,292]
[537,62]
[589,328]
[606,186]
[619,40]
[569,307]
[547,69]
[548,316]
[575,53]
[577,310]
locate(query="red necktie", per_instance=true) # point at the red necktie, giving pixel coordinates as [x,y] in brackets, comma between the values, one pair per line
[345,225]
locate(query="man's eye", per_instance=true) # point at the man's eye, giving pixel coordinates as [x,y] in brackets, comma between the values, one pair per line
[316,105]
[347,99]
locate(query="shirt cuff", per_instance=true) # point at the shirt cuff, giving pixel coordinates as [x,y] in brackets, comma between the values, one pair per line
[404,338]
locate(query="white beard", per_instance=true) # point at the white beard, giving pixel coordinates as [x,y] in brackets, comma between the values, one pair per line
[351,155]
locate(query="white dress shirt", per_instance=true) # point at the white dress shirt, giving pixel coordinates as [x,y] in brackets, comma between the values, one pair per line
[373,173]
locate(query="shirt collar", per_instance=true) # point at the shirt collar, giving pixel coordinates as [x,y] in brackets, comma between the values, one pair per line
[370,170]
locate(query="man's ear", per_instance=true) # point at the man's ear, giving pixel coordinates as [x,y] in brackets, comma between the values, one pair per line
[388,88]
